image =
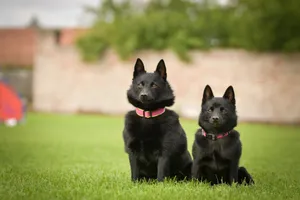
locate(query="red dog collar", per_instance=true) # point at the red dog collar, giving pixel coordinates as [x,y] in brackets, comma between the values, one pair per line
[149,114]
[214,136]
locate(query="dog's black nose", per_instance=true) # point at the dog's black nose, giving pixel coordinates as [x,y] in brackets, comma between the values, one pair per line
[144,97]
[215,118]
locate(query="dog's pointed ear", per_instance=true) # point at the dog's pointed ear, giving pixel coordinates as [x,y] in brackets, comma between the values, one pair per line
[161,69]
[207,94]
[229,94]
[138,68]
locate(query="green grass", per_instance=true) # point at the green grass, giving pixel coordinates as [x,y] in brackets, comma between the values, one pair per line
[82,157]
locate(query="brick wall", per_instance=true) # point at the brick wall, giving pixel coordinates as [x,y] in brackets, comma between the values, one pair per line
[17,53]
[69,35]
[17,46]
[267,86]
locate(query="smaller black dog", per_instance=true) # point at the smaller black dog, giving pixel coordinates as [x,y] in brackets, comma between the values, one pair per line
[153,137]
[217,147]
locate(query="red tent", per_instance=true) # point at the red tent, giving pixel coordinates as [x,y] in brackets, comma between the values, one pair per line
[10,104]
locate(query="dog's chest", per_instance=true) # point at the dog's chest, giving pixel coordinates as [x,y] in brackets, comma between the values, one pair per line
[148,150]
[214,155]
[147,141]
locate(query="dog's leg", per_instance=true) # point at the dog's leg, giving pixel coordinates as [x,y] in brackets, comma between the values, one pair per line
[196,170]
[135,170]
[163,169]
[243,175]
[212,177]
[199,172]
[186,172]
[233,173]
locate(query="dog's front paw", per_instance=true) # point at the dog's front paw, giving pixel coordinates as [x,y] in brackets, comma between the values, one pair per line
[136,180]
[160,179]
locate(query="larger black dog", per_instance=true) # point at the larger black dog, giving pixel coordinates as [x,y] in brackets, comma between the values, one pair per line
[217,147]
[153,137]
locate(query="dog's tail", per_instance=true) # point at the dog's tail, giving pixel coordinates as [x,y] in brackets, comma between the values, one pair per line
[244,177]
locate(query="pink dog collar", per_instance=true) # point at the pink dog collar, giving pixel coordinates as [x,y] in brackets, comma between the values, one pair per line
[149,114]
[213,136]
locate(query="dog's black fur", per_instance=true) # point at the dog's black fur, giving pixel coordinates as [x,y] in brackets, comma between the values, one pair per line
[217,161]
[157,147]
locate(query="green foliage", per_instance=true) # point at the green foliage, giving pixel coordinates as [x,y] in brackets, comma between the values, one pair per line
[183,25]
[269,25]
[92,45]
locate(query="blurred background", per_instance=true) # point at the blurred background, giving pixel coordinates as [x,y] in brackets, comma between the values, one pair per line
[75,57]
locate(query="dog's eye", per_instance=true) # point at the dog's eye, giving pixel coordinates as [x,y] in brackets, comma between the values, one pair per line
[210,109]
[140,85]
[153,85]
[222,109]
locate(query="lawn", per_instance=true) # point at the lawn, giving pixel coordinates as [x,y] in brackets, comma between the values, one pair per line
[82,157]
